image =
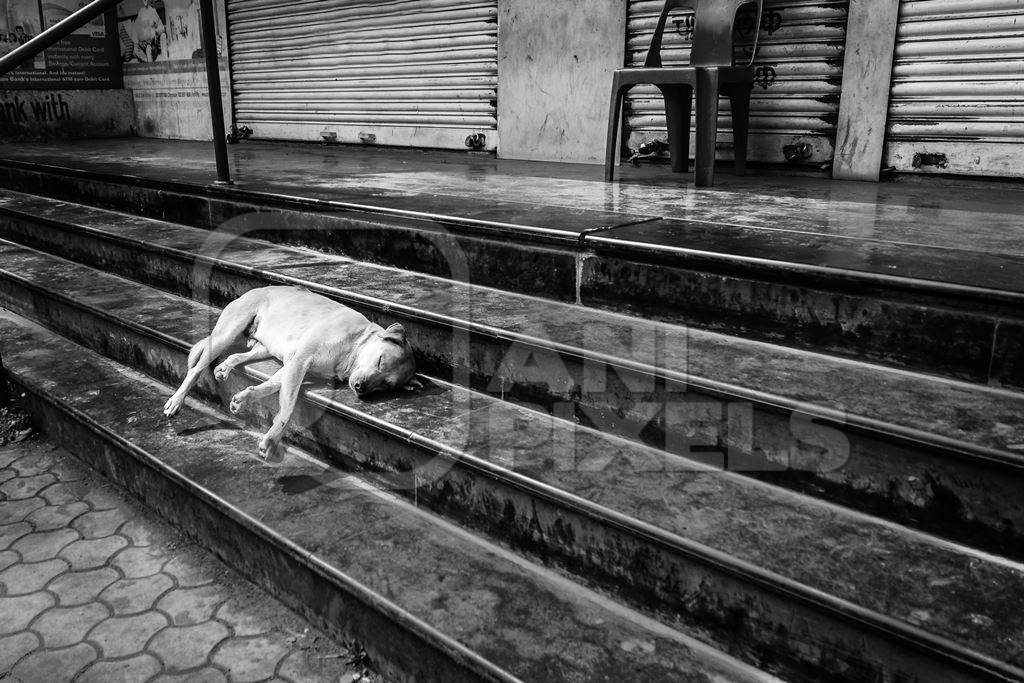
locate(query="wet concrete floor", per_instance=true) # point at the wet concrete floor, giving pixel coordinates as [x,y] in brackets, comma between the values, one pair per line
[951,227]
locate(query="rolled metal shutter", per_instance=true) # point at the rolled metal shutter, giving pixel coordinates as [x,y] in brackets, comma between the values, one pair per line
[799,73]
[957,99]
[396,72]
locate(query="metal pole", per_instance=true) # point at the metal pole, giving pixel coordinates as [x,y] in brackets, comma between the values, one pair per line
[220,144]
[55,33]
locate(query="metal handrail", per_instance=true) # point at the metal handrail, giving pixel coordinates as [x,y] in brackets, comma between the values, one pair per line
[97,8]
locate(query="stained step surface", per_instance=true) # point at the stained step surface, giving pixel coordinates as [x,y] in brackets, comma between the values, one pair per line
[879,308]
[934,452]
[491,615]
[809,543]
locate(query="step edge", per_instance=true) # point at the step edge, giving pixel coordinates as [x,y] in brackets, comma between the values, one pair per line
[704,650]
[950,446]
[791,589]
[938,288]
[225,192]
[563,238]
[371,599]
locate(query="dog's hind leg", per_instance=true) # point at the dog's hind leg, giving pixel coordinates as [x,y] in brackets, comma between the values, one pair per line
[233,321]
[257,352]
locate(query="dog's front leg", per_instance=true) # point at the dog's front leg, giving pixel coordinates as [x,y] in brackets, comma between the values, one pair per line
[291,381]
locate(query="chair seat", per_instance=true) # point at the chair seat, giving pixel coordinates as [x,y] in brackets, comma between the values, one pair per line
[682,75]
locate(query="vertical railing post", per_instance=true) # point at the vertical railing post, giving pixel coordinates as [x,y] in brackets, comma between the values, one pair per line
[220,144]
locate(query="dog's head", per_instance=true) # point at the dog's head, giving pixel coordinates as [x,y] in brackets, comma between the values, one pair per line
[384,362]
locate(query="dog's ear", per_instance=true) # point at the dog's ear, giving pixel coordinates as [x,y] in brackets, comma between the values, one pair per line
[395,333]
[413,385]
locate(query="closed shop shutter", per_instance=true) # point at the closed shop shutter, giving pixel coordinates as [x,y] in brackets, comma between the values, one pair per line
[799,73]
[395,72]
[957,101]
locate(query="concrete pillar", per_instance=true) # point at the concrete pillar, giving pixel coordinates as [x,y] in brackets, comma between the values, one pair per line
[555,63]
[864,103]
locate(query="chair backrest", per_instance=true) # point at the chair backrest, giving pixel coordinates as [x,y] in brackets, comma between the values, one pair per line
[713,24]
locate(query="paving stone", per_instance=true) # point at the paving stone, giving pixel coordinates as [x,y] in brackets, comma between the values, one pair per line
[102,499]
[51,517]
[144,532]
[249,615]
[16,613]
[204,675]
[20,488]
[10,455]
[44,545]
[78,588]
[185,647]
[248,660]
[7,558]
[63,626]
[138,668]
[35,463]
[13,648]
[54,665]
[302,666]
[137,562]
[9,533]
[100,524]
[65,492]
[89,554]
[131,596]
[12,511]
[191,605]
[188,572]
[125,599]
[68,472]
[122,636]
[24,578]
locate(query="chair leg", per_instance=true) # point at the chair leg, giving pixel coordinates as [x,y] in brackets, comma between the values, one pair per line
[677,119]
[707,126]
[739,98]
[611,150]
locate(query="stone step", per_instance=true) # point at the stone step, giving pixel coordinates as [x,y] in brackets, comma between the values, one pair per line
[735,560]
[428,601]
[936,454]
[676,271]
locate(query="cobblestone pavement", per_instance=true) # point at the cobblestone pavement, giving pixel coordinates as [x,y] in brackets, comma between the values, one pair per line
[94,587]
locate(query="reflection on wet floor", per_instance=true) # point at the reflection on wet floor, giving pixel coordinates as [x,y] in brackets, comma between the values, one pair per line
[880,227]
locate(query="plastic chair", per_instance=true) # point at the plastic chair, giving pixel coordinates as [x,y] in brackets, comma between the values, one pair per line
[711,73]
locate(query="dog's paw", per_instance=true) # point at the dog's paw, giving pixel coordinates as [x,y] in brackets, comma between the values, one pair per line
[269,448]
[239,401]
[221,372]
[173,405]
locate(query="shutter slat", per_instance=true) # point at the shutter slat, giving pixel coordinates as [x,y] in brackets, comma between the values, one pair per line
[396,72]
[958,87]
[796,96]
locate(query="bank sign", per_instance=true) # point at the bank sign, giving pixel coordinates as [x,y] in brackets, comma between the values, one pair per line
[88,58]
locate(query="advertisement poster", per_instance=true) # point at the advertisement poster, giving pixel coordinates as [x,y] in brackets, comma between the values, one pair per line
[85,59]
[161,31]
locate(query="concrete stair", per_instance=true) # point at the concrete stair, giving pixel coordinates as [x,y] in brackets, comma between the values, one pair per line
[632,498]
[955,313]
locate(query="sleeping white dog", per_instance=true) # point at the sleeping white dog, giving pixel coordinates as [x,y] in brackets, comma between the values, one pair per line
[307,333]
